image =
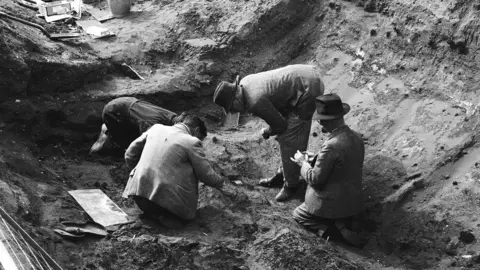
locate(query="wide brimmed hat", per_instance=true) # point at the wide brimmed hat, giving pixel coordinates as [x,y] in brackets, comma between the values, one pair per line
[225,93]
[330,107]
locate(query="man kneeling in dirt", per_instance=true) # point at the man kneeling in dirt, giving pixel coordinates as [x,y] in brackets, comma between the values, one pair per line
[285,99]
[334,191]
[125,118]
[166,163]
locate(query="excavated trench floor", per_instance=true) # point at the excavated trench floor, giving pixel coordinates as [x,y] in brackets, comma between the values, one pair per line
[240,228]
[243,227]
[411,95]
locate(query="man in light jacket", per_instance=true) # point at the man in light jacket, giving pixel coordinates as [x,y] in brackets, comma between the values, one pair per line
[285,99]
[334,193]
[166,164]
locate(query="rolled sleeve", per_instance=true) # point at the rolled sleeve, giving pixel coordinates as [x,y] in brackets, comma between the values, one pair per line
[203,171]
[318,176]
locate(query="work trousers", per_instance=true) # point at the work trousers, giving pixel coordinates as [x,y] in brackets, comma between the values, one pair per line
[293,139]
[121,127]
[314,223]
[158,213]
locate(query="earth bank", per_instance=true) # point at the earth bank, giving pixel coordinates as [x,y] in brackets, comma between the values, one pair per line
[408,68]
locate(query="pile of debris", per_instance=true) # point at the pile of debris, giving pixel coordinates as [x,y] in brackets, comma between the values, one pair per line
[73,16]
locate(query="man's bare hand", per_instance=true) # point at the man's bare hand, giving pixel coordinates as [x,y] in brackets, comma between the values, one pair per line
[299,158]
[219,169]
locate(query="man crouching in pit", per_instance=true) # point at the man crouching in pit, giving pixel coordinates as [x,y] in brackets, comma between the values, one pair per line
[125,118]
[166,163]
[334,192]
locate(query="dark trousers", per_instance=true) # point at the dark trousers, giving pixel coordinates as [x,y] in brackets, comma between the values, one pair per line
[121,128]
[294,139]
[150,208]
[314,223]
[154,211]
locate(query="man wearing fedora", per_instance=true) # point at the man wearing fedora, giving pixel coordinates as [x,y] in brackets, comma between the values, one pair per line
[285,99]
[334,191]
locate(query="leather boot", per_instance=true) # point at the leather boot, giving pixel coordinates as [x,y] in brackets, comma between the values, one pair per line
[274,181]
[285,194]
[355,239]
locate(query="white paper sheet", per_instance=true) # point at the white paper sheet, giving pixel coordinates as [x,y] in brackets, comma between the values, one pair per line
[100,207]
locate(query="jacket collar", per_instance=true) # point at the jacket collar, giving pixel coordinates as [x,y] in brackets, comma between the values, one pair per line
[183,128]
[338,131]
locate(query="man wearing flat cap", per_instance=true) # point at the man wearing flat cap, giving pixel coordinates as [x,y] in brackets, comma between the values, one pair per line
[334,191]
[285,99]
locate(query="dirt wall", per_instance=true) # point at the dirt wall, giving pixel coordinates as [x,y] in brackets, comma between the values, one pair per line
[407,68]
[33,64]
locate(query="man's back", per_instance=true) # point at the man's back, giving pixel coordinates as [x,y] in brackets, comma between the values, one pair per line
[283,86]
[146,114]
[126,118]
[169,168]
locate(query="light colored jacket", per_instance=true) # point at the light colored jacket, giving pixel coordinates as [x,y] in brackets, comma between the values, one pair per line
[167,163]
[273,94]
[335,182]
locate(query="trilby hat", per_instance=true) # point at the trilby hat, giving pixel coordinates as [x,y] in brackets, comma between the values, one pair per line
[330,107]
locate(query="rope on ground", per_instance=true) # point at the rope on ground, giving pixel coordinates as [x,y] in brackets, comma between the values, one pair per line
[18,244]
[31,251]
[10,222]
[11,248]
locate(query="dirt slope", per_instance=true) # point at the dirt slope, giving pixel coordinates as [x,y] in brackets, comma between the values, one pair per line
[408,68]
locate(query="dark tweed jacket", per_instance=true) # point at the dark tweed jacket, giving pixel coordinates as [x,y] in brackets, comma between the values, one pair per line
[273,94]
[335,181]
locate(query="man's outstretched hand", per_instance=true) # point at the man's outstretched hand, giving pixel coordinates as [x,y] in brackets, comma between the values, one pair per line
[219,169]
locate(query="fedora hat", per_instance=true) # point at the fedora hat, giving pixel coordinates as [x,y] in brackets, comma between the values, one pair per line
[330,107]
[225,93]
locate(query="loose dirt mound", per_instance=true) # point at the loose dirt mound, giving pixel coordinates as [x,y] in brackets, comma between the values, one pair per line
[407,68]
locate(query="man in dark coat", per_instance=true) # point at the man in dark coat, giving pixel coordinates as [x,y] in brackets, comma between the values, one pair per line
[285,99]
[125,118]
[334,192]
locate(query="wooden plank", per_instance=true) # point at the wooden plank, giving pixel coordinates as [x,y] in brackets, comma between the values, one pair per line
[100,207]
[392,201]
[65,35]
[130,72]
[6,259]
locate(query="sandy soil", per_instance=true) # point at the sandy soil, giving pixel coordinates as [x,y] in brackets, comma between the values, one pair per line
[407,68]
